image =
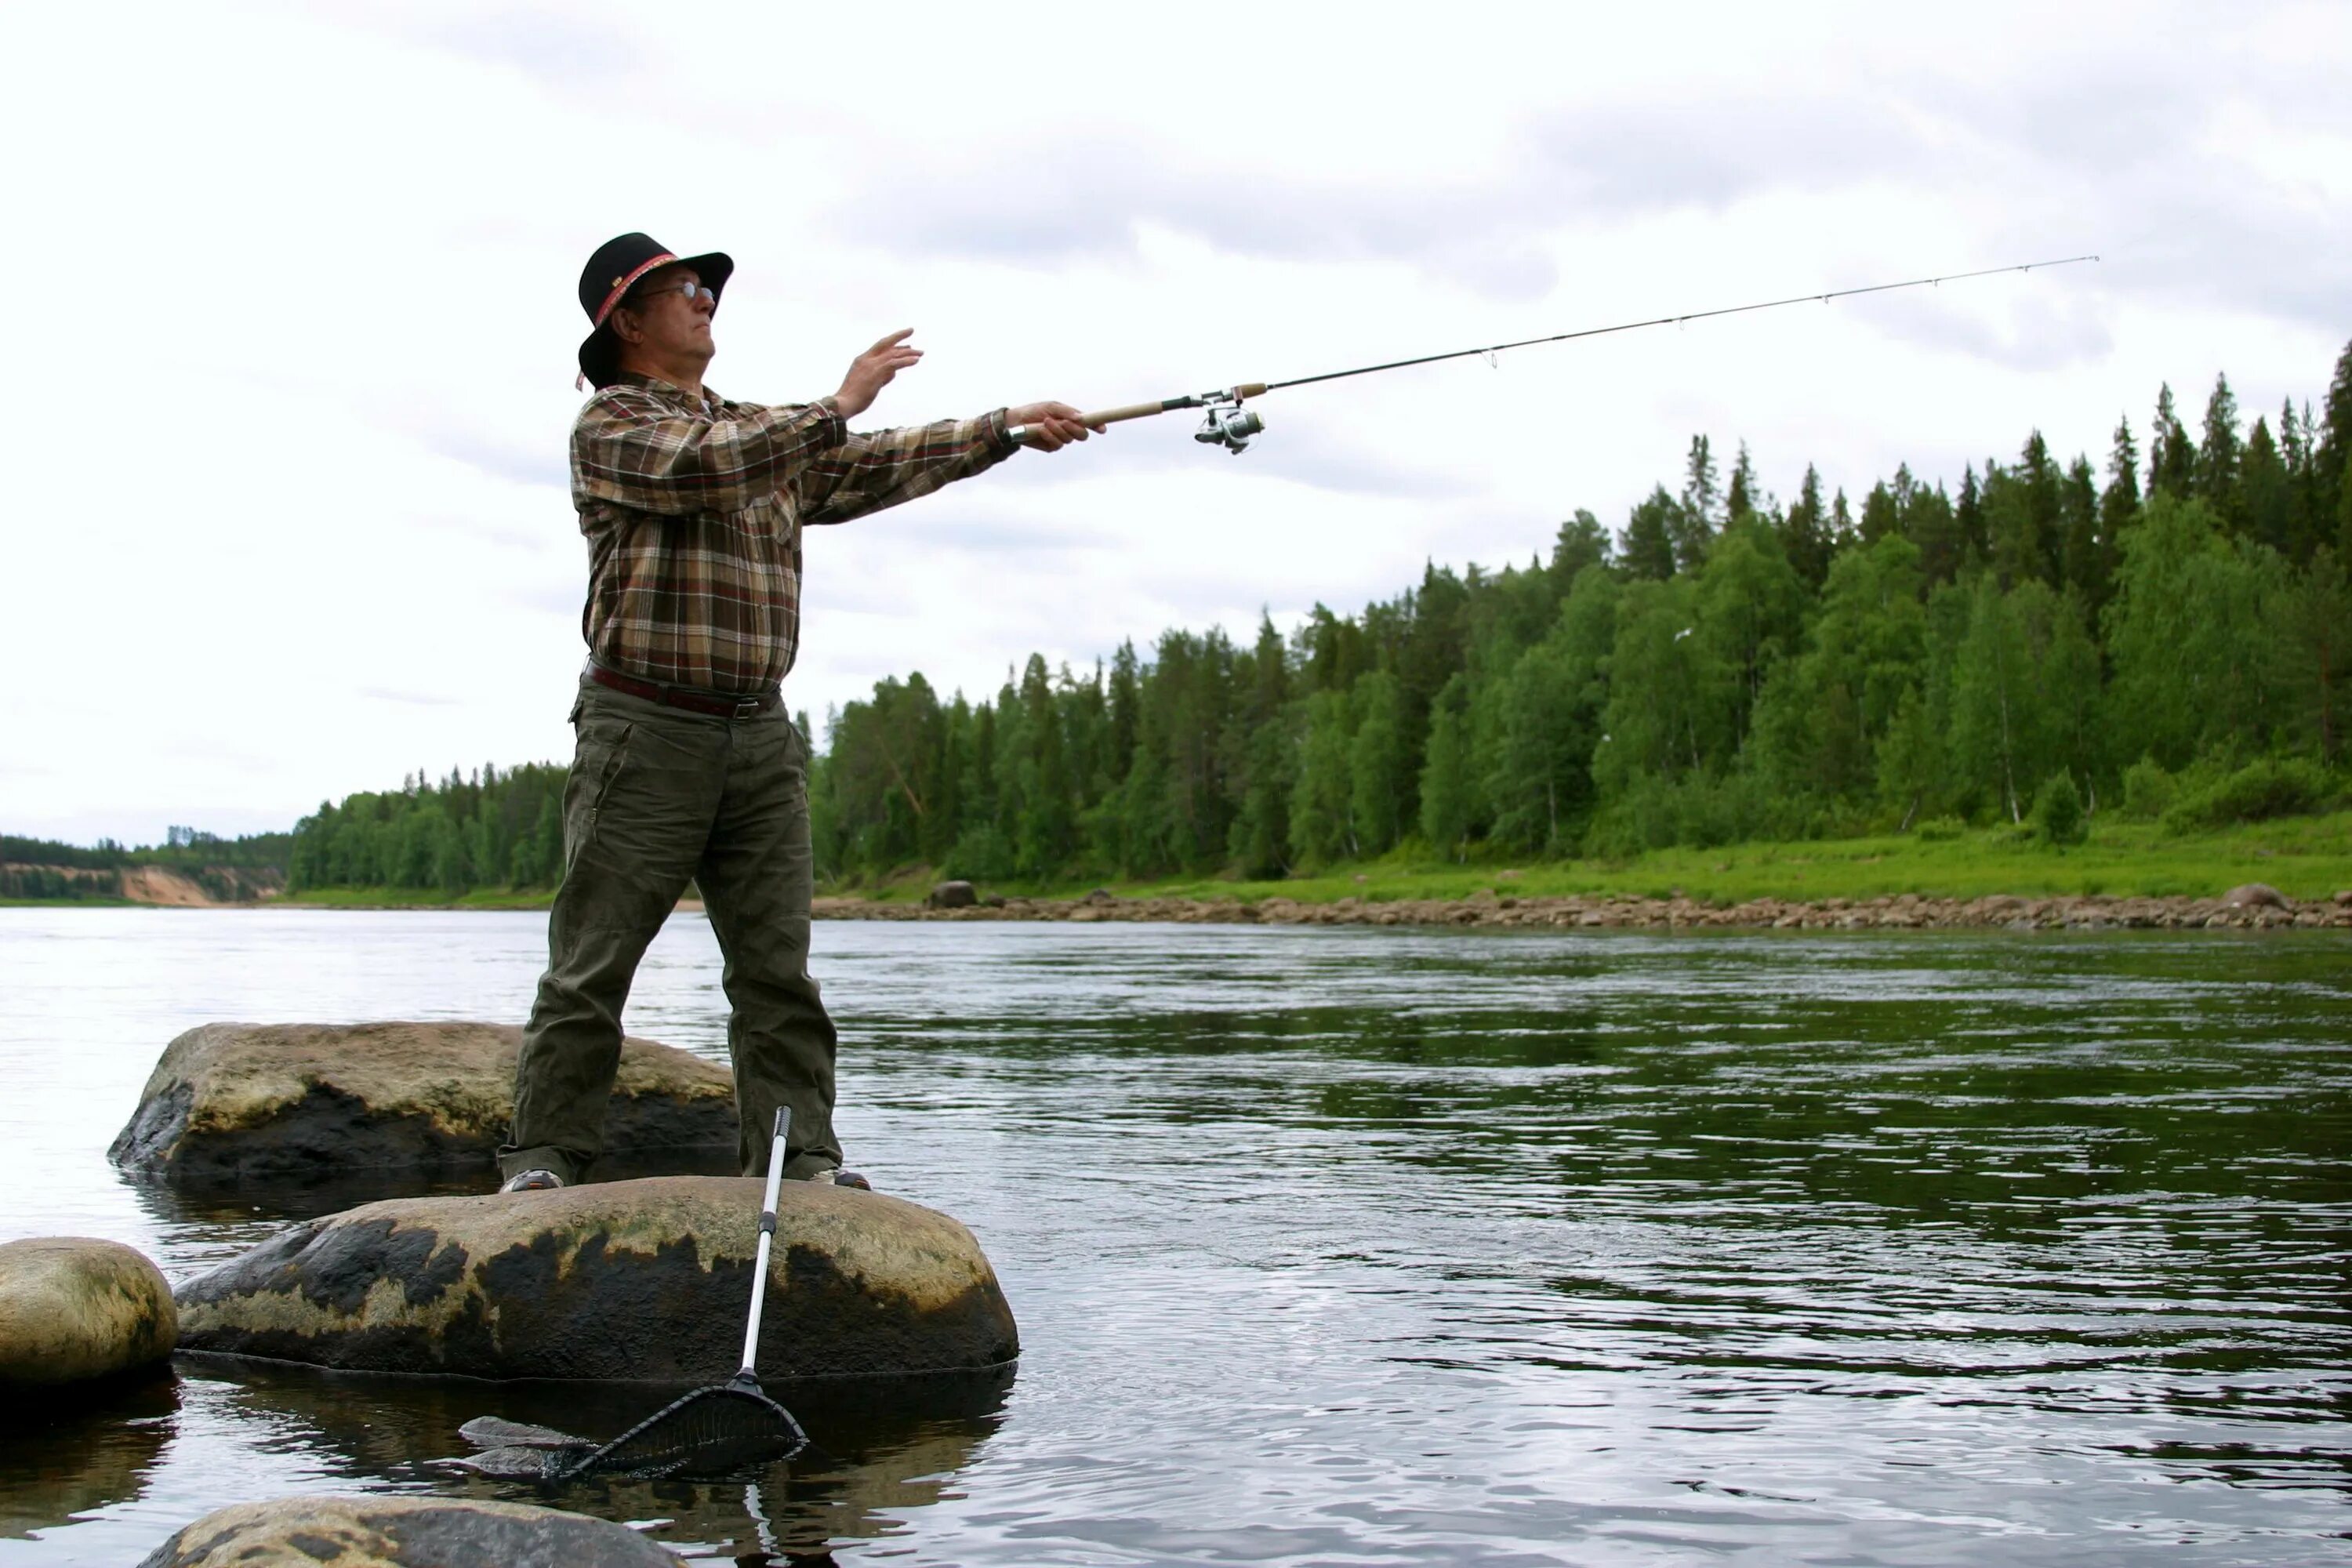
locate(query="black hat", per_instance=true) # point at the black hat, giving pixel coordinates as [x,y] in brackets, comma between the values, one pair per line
[609,274]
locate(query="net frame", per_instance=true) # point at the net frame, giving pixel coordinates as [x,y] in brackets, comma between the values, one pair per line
[714,1429]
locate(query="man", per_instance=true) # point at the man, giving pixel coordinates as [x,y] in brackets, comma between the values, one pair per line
[686,764]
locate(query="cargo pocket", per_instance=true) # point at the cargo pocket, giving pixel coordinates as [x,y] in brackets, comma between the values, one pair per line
[603,750]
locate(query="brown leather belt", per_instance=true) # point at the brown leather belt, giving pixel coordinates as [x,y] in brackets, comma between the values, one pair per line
[710,703]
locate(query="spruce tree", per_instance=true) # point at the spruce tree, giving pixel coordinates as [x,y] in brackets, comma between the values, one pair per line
[2332,457]
[1967,512]
[2219,456]
[1648,546]
[1805,533]
[2171,460]
[2084,555]
[1743,498]
[2265,498]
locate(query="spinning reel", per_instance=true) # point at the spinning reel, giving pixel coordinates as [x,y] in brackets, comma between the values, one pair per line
[1229,425]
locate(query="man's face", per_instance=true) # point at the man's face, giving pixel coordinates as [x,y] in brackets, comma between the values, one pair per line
[669,316]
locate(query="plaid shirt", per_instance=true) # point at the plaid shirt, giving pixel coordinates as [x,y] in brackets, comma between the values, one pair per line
[694,506]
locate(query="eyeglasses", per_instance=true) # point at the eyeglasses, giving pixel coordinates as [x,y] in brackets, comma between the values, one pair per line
[690,290]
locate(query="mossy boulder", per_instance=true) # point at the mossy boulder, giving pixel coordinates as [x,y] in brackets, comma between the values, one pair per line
[231,1102]
[403,1532]
[73,1307]
[643,1279]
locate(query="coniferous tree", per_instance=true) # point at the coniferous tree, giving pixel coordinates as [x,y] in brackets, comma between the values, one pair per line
[2119,502]
[2220,456]
[1744,496]
[2264,502]
[1649,547]
[2171,459]
[1805,533]
[1694,519]
[2085,559]
[1967,512]
[2332,458]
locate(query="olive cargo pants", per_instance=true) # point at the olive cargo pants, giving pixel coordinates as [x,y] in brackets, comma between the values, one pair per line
[657,795]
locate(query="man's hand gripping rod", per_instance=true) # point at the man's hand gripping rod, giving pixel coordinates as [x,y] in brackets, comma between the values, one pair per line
[1228,424]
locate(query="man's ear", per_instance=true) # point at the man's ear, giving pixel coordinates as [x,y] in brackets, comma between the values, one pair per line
[625,326]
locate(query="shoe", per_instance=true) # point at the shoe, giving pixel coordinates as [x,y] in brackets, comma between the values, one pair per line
[534,1180]
[838,1177]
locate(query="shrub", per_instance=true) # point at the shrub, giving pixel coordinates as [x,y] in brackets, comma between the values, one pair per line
[2149,789]
[2274,787]
[2057,817]
[1940,829]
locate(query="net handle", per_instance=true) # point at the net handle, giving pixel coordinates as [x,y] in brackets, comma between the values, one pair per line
[767,1236]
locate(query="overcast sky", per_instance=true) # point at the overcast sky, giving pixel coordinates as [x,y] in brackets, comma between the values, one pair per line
[293,314]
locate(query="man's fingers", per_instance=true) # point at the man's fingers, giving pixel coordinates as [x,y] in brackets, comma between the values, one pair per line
[900,336]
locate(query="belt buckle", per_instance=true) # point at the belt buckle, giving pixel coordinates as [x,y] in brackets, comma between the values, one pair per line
[746,708]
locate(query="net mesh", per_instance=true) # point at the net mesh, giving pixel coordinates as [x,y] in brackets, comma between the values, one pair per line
[708,1431]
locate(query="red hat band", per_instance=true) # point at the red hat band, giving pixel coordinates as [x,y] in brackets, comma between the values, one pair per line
[621,285]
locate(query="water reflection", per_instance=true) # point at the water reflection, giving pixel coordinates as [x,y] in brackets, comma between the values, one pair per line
[77,1450]
[877,1450]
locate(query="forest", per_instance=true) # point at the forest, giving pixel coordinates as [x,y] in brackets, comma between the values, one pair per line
[2164,634]
[2168,632]
[44,870]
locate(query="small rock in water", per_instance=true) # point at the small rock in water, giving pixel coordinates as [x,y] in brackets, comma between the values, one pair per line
[230,1102]
[73,1307]
[404,1533]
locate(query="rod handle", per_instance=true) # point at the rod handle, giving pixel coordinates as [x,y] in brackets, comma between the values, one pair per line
[1106,416]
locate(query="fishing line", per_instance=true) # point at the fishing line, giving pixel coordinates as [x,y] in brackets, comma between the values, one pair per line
[1230,425]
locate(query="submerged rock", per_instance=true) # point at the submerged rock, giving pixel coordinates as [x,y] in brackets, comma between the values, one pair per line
[404,1533]
[73,1307]
[644,1279]
[231,1101]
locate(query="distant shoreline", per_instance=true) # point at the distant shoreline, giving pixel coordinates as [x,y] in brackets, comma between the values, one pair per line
[2258,908]
[2130,874]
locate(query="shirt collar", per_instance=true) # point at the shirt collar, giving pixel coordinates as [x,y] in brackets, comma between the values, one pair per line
[706,397]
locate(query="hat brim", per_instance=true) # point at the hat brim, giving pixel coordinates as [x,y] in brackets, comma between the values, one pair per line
[600,351]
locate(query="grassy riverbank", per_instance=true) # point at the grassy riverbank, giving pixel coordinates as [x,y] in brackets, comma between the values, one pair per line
[2305,857]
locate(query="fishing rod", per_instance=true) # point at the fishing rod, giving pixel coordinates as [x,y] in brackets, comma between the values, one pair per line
[1229,425]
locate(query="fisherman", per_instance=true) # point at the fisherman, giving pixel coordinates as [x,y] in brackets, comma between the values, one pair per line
[686,764]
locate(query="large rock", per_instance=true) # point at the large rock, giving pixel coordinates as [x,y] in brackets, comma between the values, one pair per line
[646,1280]
[231,1101]
[952,896]
[2256,895]
[403,1532]
[74,1307]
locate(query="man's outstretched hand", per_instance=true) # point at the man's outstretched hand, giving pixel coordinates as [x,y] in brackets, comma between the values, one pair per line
[872,371]
[1050,425]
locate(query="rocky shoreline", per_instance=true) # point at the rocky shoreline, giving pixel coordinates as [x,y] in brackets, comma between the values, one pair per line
[2253,907]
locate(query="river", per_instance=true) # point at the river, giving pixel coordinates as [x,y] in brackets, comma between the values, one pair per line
[1346,1246]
